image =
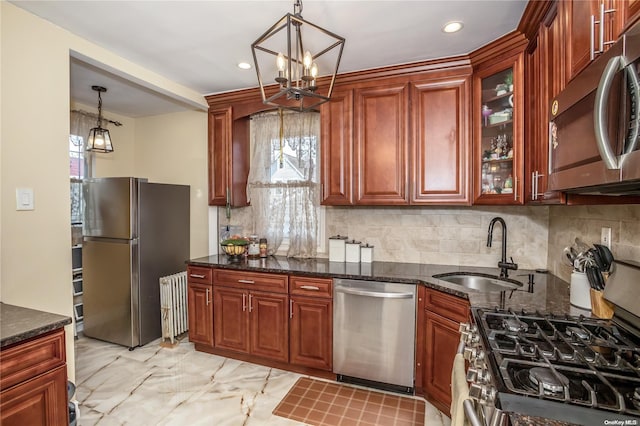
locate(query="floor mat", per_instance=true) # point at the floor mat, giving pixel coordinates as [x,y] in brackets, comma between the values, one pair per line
[321,403]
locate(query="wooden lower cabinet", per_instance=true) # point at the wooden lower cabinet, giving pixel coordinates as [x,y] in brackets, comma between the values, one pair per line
[39,401]
[311,337]
[200,303]
[251,322]
[269,325]
[33,382]
[441,342]
[231,323]
[437,339]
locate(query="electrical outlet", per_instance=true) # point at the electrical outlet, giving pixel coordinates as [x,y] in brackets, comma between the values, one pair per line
[605,237]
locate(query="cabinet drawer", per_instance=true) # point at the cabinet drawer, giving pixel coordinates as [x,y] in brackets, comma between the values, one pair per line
[448,306]
[200,275]
[28,359]
[251,280]
[308,286]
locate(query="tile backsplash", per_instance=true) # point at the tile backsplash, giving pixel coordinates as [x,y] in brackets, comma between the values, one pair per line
[568,222]
[446,236]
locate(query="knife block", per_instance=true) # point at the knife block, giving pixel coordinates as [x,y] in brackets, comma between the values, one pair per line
[600,307]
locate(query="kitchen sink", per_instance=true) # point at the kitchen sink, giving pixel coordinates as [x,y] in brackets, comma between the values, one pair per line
[480,282]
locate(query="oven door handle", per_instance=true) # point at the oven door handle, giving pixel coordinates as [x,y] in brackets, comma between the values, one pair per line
[369,293]
[470,412]
[600,108]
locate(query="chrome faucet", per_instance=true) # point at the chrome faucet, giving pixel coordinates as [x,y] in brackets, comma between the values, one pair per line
[503,264]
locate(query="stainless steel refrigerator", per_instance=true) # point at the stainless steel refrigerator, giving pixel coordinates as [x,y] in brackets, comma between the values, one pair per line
[134,232]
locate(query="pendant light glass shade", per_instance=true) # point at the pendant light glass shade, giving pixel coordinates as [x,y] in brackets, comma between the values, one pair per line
[99,139]
[291,54]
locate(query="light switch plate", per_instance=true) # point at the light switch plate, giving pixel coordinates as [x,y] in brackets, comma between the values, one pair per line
[24,199]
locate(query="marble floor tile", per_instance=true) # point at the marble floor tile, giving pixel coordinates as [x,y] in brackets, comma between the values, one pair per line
[156,385]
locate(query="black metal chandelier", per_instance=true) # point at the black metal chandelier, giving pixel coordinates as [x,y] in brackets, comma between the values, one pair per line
[284,54]
[99,139]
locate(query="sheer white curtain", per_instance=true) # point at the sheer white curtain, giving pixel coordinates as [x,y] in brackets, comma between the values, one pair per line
[80,125]
[283,180]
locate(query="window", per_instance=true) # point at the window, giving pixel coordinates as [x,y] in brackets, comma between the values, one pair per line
[77,170]
[283,182]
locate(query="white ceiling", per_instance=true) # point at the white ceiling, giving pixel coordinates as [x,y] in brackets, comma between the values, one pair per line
[199,43]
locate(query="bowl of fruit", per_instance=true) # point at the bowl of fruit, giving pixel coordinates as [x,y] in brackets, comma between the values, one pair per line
[234,248]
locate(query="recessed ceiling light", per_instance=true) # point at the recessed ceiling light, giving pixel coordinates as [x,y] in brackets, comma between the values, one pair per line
[244,65]
[452,27]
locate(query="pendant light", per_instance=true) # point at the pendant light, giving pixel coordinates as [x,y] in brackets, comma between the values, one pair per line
[99,139]
[292,53]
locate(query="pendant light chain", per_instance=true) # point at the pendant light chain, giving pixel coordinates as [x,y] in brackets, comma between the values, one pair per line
[99,109]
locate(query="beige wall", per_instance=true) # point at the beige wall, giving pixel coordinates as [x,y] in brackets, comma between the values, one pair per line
[568,222]
[172,148]
[35,260]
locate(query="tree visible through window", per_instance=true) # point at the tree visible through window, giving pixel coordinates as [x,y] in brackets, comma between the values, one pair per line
[283,181]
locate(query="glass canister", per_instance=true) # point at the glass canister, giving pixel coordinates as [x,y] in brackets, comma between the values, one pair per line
[254,247]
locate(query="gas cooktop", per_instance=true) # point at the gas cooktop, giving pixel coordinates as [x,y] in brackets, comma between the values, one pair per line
[575,369]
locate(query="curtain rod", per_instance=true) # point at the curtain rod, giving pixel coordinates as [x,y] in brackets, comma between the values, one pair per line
[94,115]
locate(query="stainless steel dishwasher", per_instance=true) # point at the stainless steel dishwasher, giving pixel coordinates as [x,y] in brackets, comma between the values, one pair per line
[374,333]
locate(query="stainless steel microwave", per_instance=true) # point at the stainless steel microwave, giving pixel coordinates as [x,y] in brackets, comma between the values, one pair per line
[594,125]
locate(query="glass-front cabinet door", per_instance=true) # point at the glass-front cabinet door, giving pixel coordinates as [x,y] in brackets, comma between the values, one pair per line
[498,147]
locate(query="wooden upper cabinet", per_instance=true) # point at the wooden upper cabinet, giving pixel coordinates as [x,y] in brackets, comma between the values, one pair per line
[440,141]
[544,79]
[583,36]
[336,149]
[630,10]
[228,158]
[381,145]
[498,137]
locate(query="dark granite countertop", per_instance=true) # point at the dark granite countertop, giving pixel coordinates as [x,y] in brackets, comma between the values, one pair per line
[18,323]
[550,294]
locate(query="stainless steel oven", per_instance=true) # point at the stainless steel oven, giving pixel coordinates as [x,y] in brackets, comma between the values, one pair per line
[581,370]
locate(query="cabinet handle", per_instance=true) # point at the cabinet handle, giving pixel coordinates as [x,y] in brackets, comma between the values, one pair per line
[604,11]
[201,276]
[538,194]
[310,287]
[533,186]
[601,29]
[207,295]
[246,281]
[515,189]
[592,42]
[244,302]
[290,308]
[250,303]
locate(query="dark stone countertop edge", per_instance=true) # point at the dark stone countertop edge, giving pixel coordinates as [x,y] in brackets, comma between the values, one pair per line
[20,324]
[550,295]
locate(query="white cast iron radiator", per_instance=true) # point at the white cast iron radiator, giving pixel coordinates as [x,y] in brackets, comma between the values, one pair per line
[173,305]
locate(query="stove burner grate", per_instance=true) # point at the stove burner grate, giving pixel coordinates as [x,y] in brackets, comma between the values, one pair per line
[550,382]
